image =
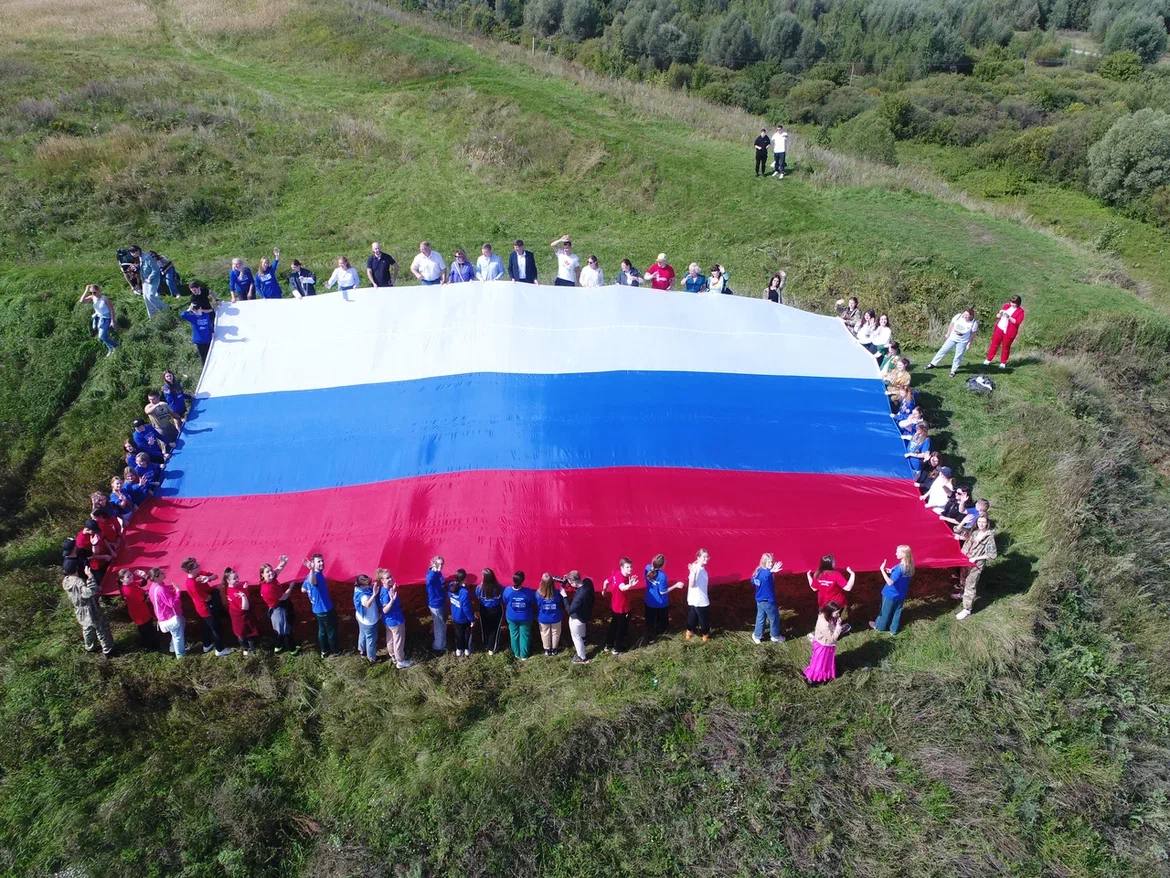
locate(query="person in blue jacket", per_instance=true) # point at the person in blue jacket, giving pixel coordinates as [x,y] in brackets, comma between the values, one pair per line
[766,609]
[437,604]
[550,610]
[316,586]
[368,614]
[491,609]
[462,612]
[393,617]
[894,593]
[658,589]
[520,610]
[267,283]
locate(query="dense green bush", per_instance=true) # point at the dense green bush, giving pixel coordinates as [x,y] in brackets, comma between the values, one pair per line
[868,136]
[1133,158]
[1122,66]
[1144,35]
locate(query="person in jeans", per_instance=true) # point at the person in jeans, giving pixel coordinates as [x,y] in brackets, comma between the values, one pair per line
[368,615]
[580,614]
[462,612]
[520,611]
[103,315]
[393,617]
[316,586]
[168,609]
[894,593]
[766,609]
[491,609]
[618,586]
[208,604]
[437,604]
[82,588]
[550,609]
[151,276]
[979,547]
[698,602]
[278,598]
[960,333]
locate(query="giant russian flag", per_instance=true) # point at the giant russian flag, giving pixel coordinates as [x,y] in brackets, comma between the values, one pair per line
[535,428]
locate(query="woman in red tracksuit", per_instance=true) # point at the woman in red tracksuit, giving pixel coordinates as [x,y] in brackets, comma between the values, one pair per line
[1007,327]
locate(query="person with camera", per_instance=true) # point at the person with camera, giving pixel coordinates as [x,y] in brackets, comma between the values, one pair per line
[103,316]
[580,612]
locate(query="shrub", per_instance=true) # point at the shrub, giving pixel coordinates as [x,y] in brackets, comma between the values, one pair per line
[868,136]
[1050,54]
[1141,34]
[1160,206]
[1123,66]
[997,63]
[898,113]
[1133,158]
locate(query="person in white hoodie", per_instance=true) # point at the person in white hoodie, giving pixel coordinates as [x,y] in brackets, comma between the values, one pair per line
[961,331]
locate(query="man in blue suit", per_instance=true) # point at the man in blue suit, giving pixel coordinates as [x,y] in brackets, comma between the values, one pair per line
[521,264]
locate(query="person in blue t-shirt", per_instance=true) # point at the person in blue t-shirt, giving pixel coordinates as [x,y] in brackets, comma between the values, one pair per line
[918,448]
[895,591]
[658,589]
[146,438]
[694,281]
[550,611]
[491,609]
[437,604]
[267,283]
[174,395]
[520,610]
[766,609]
[316,586]
[393,617]
[367,614]
[462,612]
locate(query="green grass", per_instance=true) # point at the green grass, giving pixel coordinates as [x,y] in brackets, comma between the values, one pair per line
[1026,741]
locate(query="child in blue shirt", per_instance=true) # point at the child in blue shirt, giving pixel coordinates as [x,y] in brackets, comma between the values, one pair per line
[316,586]
[766,609]
[550,609]
[462,613]
[368,614]
[520,610]
[658,589]
[437,604]
[393,617]
[894,593]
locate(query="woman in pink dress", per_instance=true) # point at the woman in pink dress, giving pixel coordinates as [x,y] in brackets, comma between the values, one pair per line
[822,665]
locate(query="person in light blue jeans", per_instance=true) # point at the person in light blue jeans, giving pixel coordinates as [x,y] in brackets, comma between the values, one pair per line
[960,333]
[766,609]
[437,604]
[368,615]
[103,315]
[895,591]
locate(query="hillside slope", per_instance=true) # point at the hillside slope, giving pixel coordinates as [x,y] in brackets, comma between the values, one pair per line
[1026,740]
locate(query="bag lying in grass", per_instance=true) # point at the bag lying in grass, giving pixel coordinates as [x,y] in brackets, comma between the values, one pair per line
[980,384]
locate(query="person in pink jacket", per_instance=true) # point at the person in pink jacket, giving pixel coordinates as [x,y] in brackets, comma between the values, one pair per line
[168,609]
[1007,326]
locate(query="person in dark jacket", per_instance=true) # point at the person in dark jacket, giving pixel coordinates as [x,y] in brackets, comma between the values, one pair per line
[462,613]
[521,264]
[580,613]
[302,280]
[491,609]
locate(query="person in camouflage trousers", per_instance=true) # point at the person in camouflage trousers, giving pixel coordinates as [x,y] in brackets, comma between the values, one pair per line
[81,586]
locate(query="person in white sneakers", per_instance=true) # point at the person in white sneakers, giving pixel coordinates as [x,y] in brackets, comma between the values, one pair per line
[779,152]
[961,331]
[766,609]
[698,603]
[979,548]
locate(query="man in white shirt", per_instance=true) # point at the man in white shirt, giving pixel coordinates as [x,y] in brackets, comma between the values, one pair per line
[428,266]
[567,262]
[959,335]
[779,151]
[488,266]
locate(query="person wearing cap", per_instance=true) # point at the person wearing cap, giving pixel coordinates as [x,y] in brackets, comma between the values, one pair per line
[488,265]
[381,268]
[939,493]
[568,264]
[762,142]
[82,587]
[144,438]
[521,264]
[241,281]
[661,273]
[428,266]
[780,151]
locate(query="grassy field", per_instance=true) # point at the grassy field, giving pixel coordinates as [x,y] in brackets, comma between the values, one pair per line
[1028,740]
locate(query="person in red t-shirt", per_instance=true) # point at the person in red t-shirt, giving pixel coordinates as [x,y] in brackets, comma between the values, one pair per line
[208,604]
[138,608]
[93,548]
[660,274]
[620,583]
[239,603]
[278,599]
[829,584]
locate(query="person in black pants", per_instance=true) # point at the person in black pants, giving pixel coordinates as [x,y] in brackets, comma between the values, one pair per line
[762,144]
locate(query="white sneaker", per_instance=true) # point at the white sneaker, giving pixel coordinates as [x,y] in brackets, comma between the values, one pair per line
[756,639]
[491,652]
[1003,365]
[962,614]
[208,647]
[220,653]
[781,176]
[403,665]
[779,639]
[987,362]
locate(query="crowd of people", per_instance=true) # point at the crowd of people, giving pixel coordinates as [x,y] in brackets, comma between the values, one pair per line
[154,604]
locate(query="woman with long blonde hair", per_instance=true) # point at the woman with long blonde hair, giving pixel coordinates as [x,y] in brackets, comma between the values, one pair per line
[895,591]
